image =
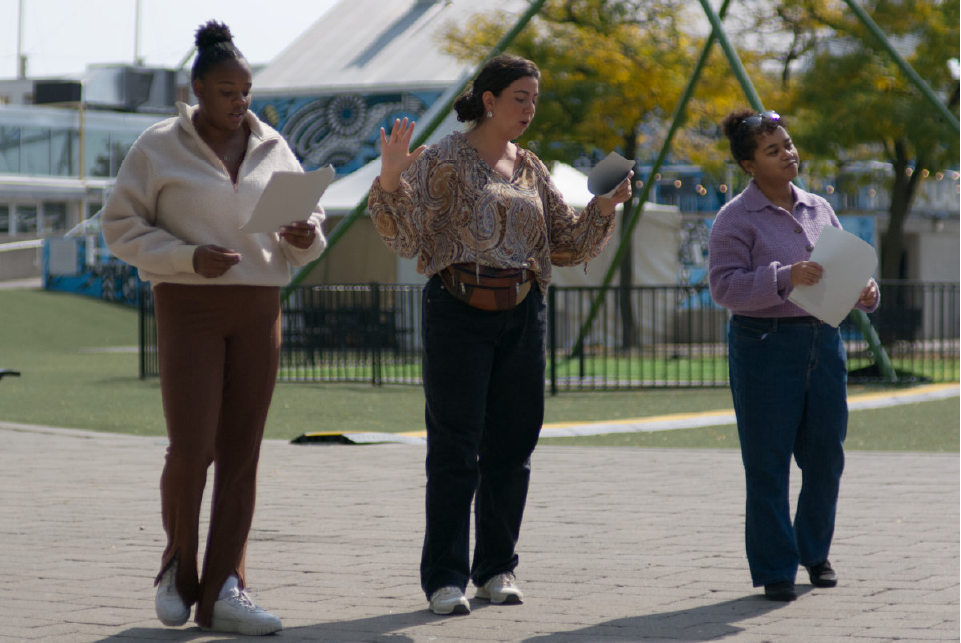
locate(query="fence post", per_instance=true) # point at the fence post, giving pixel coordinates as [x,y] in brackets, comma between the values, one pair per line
[375,362]
[142,331]
[552,335]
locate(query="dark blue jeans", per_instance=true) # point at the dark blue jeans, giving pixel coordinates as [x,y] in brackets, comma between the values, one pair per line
[789,383]
[484,390]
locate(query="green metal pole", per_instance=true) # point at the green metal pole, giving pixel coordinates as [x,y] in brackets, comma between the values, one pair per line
[912,75]
[631,221]
[858,317]
[732,58]
[341,229]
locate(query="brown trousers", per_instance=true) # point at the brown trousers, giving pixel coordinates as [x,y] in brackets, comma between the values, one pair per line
[219,350]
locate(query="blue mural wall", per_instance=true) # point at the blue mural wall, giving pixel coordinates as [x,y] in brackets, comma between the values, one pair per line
[341,130]
[105,277]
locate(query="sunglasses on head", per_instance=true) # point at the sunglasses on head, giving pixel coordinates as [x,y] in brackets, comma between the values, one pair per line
[757,119]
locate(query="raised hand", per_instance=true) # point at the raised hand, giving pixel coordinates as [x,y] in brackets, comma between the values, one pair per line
[395,153]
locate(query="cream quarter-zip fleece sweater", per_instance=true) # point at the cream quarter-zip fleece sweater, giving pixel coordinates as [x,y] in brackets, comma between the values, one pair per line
[173,194]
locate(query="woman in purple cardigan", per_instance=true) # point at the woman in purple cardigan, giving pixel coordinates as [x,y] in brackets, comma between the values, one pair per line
[788,370]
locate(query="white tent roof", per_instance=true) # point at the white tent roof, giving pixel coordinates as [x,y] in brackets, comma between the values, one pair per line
[376,45]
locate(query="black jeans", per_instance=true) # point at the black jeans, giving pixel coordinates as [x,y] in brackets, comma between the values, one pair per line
[484,389]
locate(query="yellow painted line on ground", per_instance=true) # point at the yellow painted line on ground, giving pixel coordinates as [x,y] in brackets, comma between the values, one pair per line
[912,392]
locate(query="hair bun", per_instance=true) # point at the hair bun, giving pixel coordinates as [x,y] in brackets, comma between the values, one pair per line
[212,33]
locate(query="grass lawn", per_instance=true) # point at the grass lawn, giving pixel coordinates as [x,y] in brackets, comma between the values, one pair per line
[79,369]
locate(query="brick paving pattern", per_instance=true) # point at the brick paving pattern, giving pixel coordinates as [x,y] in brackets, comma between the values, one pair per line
[619,545]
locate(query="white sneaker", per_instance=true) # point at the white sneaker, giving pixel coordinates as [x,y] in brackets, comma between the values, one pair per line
[501,588]
[235,612]
[170,607]
[449,600]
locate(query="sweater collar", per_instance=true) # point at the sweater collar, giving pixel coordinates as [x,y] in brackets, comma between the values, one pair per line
[186,115]
[755,200]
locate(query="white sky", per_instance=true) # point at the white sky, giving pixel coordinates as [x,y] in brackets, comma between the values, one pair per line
[61,37]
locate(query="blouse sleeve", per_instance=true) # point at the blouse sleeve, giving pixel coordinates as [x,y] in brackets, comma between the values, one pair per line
[401,217]
[574,237]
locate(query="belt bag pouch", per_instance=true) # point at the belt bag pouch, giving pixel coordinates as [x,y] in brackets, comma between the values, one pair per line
[487,288]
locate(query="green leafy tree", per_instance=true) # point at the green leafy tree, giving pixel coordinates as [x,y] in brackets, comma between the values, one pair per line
[852,102]
[612,72]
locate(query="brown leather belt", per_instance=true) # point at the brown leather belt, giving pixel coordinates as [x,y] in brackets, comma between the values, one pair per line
[487,288]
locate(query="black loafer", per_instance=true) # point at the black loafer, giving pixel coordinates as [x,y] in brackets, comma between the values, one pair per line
[823,575]
[783,591]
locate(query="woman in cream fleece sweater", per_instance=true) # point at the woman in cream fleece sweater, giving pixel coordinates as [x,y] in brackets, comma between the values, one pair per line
[182,193]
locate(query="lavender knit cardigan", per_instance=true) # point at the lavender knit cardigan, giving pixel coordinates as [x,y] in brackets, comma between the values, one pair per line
[752,246]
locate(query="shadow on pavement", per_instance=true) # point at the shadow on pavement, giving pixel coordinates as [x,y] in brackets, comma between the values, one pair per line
[705,623]
[350,631]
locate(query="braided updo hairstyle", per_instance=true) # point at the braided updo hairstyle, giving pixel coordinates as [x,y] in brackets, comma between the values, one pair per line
[496,76]
[742,127]
[215,44]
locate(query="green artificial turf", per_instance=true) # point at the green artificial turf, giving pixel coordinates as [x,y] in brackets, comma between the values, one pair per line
[79,369]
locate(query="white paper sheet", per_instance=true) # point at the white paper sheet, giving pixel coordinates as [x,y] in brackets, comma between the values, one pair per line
[608,174]
[848,264]
[288,197]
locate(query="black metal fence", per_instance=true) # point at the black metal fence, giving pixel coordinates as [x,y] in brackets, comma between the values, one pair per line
[642,337]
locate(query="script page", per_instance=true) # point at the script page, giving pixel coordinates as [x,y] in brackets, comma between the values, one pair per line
[848,264]
[288,197]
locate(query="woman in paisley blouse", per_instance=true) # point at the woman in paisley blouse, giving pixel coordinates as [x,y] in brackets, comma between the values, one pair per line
[485,222]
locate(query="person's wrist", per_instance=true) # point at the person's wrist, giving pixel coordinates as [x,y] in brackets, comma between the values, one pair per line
[389,181]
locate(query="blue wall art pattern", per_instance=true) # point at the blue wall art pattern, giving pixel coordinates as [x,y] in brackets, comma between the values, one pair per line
[342,130]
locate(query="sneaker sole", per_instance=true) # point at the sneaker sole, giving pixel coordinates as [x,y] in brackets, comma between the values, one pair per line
[457,609]
[508,599]
[233,627]
[176,623]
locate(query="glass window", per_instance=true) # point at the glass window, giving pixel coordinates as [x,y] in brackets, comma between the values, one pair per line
[26,219]
[97,149]
[35,147]
[119,148]
[9,149]
[4,219]
[64,152]
[54,218]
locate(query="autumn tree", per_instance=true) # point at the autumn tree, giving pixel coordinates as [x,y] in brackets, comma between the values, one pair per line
[851,102]
[612,72]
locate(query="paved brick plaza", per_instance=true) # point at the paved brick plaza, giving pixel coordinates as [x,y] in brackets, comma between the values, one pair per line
[618,545]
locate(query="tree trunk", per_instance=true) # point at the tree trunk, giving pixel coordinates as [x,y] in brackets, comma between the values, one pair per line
[896,300]
[902,192]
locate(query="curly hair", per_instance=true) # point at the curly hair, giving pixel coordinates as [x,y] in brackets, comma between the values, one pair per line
[496,76]
[215,44]
[742,127]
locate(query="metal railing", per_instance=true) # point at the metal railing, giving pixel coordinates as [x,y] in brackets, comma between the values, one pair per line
[644,337]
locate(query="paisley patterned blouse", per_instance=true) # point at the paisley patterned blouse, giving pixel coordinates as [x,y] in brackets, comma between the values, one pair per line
[452,207]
